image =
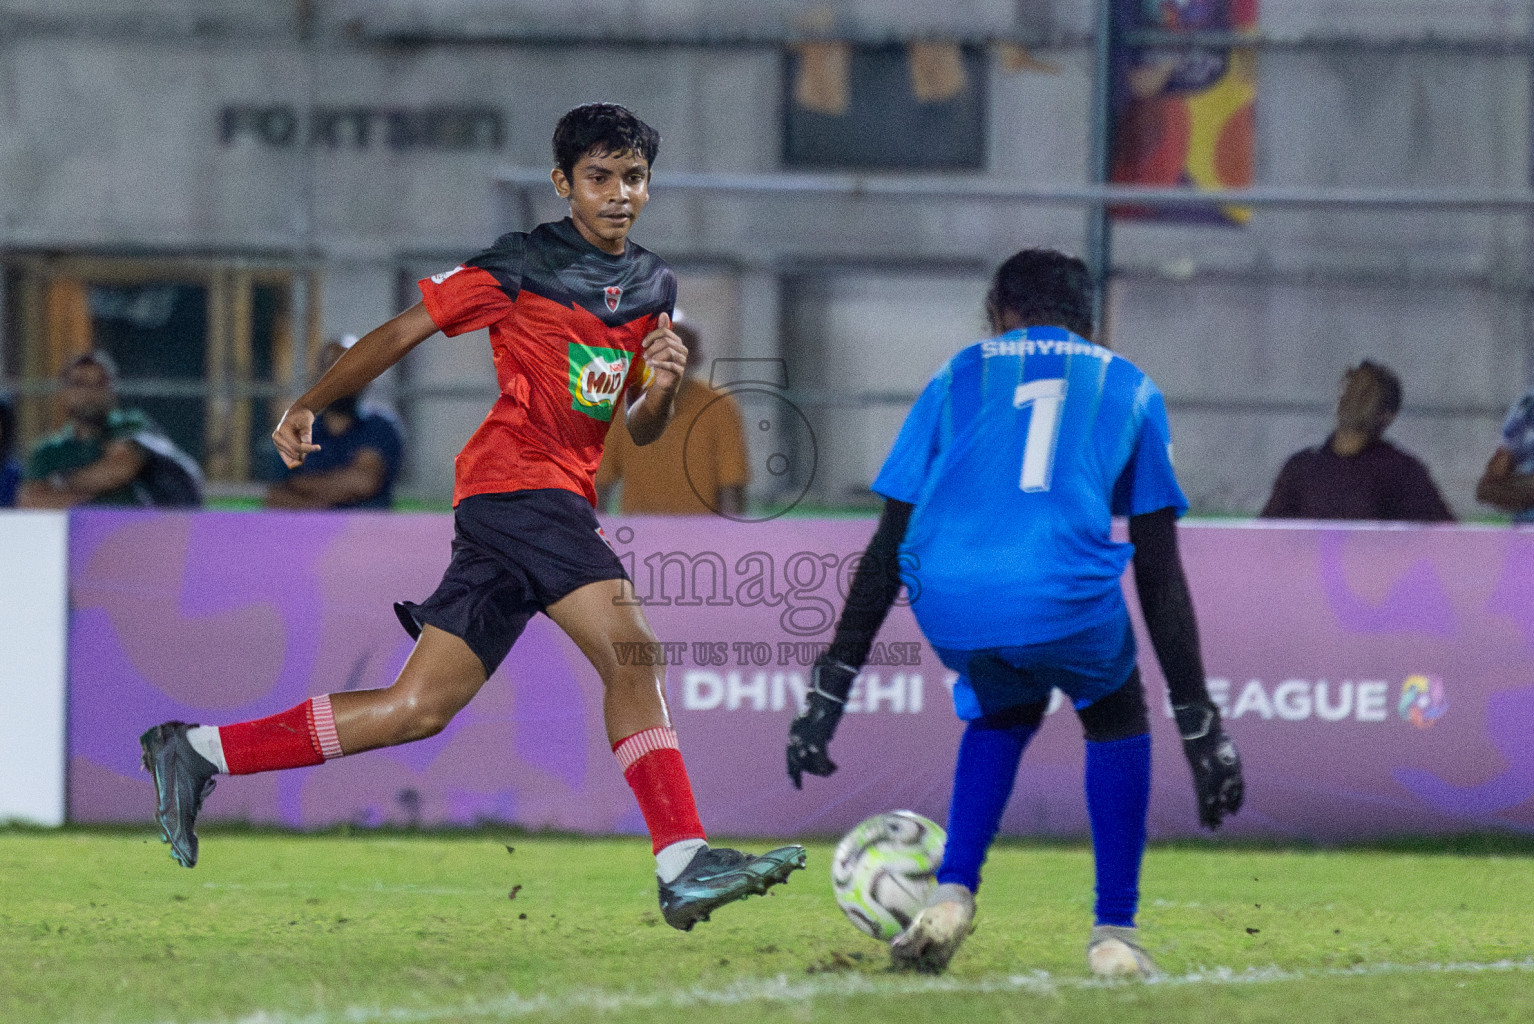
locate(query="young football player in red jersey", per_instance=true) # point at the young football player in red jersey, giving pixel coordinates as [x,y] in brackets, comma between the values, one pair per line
[579,320]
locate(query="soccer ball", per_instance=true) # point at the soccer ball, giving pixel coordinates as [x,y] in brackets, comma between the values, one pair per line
[884,870]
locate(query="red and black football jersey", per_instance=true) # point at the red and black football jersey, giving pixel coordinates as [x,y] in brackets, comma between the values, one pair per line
[566,322]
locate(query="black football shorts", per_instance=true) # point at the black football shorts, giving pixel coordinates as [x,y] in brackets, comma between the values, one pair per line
[514,554]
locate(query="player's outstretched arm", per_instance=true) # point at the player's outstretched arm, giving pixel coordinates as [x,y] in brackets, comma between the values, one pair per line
[1168,608]
[358,367]
[875,586]
[666,361]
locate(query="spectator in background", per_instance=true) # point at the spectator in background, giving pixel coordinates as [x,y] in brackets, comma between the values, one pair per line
[1355,473]
[1508,482]
[699,465]
[361,449]
[10,469]
[106,454]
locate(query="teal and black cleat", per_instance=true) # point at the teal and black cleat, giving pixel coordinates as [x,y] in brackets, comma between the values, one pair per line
[716,877]
[182,779]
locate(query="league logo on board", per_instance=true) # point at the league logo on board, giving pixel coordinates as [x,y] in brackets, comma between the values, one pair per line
[613,293]
[1423,700]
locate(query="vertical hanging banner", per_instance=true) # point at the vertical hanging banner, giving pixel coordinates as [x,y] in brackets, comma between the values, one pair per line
[1183,112]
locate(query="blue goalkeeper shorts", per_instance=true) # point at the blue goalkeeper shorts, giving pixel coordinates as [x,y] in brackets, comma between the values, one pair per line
[1085,666]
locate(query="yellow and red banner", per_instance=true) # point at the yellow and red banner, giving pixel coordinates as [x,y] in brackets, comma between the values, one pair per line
[1183,112]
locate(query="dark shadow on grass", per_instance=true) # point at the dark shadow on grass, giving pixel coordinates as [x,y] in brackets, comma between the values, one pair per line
[488,831]
[1468,844]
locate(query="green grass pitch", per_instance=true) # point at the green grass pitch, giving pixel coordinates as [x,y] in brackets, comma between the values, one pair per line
[399,928]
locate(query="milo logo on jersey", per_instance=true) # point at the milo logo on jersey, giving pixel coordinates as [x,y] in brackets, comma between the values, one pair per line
[596,379]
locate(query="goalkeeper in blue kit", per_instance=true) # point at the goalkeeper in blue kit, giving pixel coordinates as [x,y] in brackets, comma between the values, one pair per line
[1000,493]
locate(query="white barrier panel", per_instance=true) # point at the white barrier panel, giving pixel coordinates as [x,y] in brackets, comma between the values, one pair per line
[33,621]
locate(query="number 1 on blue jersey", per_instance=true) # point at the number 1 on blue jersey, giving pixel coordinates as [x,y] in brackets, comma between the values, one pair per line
[1047,398]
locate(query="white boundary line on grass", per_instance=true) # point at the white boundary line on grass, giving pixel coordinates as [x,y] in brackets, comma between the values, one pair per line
[782,990]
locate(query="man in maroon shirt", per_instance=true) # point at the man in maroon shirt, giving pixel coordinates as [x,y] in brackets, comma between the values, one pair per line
[1355,473]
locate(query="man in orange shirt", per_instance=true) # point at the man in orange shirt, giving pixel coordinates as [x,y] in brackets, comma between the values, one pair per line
[696,467]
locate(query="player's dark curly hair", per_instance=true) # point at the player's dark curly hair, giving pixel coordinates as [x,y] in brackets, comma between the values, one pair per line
[1043,288]
[602,128]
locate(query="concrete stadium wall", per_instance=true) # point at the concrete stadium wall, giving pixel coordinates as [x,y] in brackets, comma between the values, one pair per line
[111,114]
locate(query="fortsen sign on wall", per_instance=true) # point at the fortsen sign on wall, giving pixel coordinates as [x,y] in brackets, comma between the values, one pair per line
[286,126]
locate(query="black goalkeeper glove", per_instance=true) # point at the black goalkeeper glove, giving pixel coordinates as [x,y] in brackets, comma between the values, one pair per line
[1216,764]
[810,734]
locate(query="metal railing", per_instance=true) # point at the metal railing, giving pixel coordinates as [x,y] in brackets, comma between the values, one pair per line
[989,190]
[308,21]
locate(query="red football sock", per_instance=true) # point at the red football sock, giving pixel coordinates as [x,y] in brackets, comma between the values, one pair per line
[300,736]
[652,765]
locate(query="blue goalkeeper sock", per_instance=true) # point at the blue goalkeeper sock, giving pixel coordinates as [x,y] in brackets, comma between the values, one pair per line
[1118,797]
[982,785]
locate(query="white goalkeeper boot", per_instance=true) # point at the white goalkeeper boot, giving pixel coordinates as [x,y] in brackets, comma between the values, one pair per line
[936,932]
[1115,952]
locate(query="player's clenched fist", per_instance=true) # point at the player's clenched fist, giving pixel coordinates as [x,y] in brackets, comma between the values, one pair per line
[294,436]
[665,355]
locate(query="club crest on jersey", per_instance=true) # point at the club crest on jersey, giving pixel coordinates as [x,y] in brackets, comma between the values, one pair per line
[613,293]
[596,378]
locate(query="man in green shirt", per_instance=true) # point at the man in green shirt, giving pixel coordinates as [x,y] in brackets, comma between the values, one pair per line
[103,455]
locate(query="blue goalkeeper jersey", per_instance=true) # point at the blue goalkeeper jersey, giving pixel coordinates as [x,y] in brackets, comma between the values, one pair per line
[1017,456]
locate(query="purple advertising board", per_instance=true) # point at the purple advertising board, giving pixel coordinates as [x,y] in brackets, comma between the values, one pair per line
[1379,681]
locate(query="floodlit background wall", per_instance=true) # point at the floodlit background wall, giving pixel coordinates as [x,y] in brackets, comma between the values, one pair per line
[150,140]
